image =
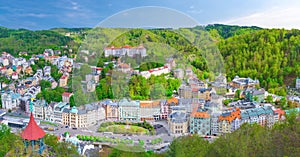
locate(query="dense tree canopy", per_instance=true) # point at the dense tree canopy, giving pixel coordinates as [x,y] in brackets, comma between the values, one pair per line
[138,87]
[188,146]
[49,94]
[274,53]
[34,42]
[61,149]
[226,31]
[272,56]
[150,65]
[45,84]
[9,141]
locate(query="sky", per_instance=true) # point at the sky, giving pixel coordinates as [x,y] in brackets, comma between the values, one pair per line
[46,14]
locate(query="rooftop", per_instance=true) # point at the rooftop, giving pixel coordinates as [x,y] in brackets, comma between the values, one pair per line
[126,102]
[32,130]
[74,110]
[198,112]
[66,94]
[173,99]
[178,117]
[230,116]
[149,104]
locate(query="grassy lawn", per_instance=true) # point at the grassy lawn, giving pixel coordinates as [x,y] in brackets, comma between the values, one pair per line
[121,129]
[49,123]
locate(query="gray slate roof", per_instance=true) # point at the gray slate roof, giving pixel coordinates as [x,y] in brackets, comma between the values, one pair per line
[178,117]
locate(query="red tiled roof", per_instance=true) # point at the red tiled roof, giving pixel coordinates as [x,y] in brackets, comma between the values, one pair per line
[66,94]
[199,114]
[173,99]
[32,130]
[149,104]
[233,115]
[280,112]
[64,77]
[127,46]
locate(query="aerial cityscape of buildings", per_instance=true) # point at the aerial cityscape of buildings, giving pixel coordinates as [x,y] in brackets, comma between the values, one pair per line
[195,108]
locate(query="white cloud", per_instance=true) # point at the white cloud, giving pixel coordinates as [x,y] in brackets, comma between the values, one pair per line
[72,5]
[272,18]
[75,7]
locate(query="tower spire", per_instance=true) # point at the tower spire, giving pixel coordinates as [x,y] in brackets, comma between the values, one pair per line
[33,133]
[31,105]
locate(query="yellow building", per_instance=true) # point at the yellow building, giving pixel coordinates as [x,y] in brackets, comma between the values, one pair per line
[111,111]
[204,93]
[178,123]
[85,116]
[9,72]
[63,81]
[73,119]
[28,70]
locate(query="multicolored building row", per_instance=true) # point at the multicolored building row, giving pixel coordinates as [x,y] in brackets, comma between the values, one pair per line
[204,121]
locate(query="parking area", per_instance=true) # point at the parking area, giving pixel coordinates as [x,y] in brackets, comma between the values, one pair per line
[160,129]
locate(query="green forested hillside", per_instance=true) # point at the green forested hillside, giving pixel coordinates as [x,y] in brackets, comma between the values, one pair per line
[270,55]
[70,30]
[156,40]
[33,42]
[226,31]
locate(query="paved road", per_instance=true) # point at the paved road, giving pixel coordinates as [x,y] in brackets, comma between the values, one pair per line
[82,131]
[161,132]
[146,138]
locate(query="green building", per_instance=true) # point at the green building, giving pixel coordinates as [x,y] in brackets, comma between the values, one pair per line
[255,95]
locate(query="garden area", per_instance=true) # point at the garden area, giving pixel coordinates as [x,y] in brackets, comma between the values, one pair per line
[49,123]
[104,139]
[123,129]
[117,141]
[156,141]
[143,128]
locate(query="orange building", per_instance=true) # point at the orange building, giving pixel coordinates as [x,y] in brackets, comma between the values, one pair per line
[150,110]
[230,121]
[172,100]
